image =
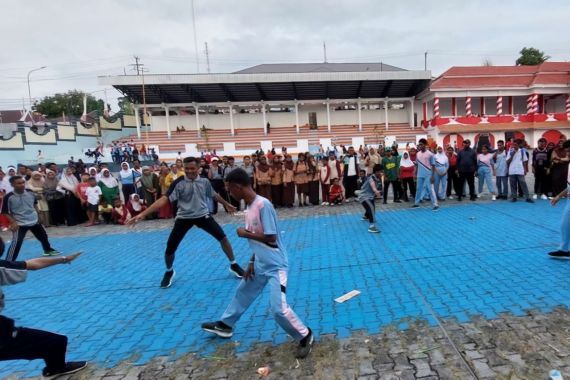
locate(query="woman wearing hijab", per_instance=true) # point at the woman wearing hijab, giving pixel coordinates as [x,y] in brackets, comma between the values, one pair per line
[440,177]
[54,196]
[93,172]
[109,186]
[313,176]
[407,171]
[36,185]
[276,174]
[165,211]
[288,194]
[150,187]
[558,169]
[301,180]
[128,178]
[69,184]
[135,205]
[262,178]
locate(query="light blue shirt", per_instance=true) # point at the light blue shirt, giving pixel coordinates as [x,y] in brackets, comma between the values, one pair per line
[501,164]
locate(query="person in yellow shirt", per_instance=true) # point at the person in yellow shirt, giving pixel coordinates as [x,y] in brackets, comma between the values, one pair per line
[173,175]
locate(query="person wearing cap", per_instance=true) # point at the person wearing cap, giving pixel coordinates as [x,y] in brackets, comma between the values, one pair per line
[466,168]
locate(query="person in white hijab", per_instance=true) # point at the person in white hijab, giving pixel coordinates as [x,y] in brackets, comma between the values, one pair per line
[128,178]
[135,205]
[74,212]
[109,186]
[441,168]
[407,171]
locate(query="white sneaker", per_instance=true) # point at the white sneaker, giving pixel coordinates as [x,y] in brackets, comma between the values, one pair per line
[494,197]
[450,197]
[534,196]
[346,200]
[543,197]
[478,195]
[324,204]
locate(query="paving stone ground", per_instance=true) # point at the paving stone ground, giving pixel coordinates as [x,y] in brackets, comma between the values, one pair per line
[461,292]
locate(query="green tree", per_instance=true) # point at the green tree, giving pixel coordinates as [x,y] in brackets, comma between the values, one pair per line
[531,56]
[126,106]
[71,103]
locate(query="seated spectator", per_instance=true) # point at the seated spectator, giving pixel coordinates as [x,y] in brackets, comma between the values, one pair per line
[105,211]
[135,205]
[120,213]
[335,193]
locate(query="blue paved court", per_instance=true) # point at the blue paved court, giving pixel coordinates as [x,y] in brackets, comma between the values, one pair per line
[474,259]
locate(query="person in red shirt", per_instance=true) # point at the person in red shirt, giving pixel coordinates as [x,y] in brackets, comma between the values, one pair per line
[407,172]
[452,177]
[120,214]
[335,193]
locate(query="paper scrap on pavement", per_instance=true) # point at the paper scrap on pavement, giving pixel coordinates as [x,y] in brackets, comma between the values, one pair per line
[347,296]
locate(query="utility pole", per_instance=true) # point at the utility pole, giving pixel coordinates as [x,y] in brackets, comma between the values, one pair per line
[325,50]
[207,56]
[425,61]
[137,66]
[195,38]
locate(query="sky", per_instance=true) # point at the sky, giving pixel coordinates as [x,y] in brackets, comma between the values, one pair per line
[78,41]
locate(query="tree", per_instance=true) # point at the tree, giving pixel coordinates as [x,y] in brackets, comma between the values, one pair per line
[126,106]
[531,56]
[71,103]
[487,62]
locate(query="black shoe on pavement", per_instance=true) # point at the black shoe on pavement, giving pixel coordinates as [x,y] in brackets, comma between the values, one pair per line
[219,328]
[167,279]
[559,254]
[70,367]
[305,346]
[236,270]
[459,199]
[528,200]
[397,201]
[415,206]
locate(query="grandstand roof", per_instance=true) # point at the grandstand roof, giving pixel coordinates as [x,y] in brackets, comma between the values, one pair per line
[318,67]
[272,86]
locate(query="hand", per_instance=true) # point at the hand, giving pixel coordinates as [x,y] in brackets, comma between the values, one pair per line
[249,272]
[70,258]
[554,201]
[14,226]
[432,180]
[134,220]
[230,209]
[242,232]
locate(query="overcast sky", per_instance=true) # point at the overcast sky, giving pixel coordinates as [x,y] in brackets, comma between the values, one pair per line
[80,40]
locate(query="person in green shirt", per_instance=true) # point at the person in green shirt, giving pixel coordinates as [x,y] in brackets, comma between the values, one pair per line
[391,166]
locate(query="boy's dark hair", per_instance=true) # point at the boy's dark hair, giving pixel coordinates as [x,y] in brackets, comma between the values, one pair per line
[422,141]
[92,178]
[518,141]
[566,145]
[188,160]
[542,139]
[238,176]
[230,158]
[362,171]
[15,178]
[377,168]
[500,141]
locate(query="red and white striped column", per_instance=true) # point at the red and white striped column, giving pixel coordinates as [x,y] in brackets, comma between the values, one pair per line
[468,106]
[499,105]
[568,106]
[529,105]
[436,108]
[534,103]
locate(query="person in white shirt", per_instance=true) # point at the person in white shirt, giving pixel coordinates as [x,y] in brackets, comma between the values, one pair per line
[517,162]
[93,194]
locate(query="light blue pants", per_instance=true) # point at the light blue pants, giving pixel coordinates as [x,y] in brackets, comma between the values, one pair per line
[440,185]
[565,228]
[248,291]
[424,185]
[485,176]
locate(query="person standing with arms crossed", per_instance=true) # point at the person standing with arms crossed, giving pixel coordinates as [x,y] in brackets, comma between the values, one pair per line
[191,192]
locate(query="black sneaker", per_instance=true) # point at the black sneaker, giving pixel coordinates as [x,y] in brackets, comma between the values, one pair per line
[70,367]
[514,200]
[167,279]
[305,346]
[236,270]
[528,200]
[415,206]
[364,219]
[51,252]
[219,328]
[559,254]
[397,201]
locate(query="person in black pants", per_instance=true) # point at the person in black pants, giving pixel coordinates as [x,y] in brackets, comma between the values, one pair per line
[21,343]
[350,173]
[453,181]
[19,206]
[540,165]
[466,167]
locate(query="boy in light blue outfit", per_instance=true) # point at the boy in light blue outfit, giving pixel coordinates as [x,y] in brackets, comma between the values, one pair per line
[268,266]
[501,171]
[425,164]
[564,250]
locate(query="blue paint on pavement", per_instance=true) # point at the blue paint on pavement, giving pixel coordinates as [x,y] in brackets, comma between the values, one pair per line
[490,259]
